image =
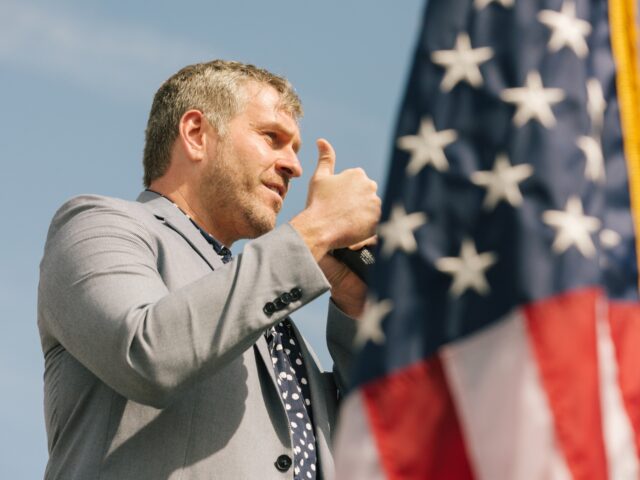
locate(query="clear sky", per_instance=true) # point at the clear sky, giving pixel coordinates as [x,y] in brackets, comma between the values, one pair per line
[77,78]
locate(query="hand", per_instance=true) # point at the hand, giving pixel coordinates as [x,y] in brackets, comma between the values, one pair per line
[348,291]
[342,209]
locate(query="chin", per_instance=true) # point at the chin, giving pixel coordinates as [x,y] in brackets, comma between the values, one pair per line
[261,223]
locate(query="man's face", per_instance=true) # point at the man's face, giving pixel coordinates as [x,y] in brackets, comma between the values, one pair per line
[248,174]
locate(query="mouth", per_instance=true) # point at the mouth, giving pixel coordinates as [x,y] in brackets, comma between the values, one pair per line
[280,190]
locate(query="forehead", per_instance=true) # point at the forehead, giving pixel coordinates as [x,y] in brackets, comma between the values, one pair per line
[263,104]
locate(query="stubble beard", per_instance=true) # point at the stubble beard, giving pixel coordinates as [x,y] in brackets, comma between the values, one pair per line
[230,200]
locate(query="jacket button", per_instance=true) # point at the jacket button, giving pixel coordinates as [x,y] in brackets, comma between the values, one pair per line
[283,463]
[279,303]
[296,293]
[286,298]
[269,308]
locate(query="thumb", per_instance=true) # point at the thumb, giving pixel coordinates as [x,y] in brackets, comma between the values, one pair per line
[326,159]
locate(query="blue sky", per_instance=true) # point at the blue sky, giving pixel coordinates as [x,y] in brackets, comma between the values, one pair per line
[77,83]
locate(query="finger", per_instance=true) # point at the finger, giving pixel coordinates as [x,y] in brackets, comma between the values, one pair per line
[326,159]
[365,243]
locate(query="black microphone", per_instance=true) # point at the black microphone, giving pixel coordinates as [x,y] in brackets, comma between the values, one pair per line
[359,261]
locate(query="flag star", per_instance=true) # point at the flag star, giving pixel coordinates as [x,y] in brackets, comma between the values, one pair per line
[480,4]
[502,182]
[397,232]
[468,269]
[427,147]
[370,324]
[533,101]
[594,167]
[462,63]
[596,104]
[566,29]
[573,227]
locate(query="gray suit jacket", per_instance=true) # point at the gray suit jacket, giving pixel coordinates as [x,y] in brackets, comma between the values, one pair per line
[156,366]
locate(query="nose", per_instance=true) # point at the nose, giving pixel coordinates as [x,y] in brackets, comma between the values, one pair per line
[288,165]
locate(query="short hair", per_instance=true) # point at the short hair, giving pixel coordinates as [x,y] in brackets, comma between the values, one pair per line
[216,89]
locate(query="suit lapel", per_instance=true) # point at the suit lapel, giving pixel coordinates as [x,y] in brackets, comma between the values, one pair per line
[165,211]
[263,348]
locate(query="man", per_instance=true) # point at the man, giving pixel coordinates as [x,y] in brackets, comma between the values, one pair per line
[164,357]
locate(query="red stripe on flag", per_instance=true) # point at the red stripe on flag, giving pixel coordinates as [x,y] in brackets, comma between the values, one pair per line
[563,335]
[624,321]
[415,425]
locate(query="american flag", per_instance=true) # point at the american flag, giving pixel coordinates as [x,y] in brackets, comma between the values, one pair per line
[502,334]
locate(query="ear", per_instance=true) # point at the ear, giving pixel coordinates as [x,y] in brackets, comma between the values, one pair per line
[193,130]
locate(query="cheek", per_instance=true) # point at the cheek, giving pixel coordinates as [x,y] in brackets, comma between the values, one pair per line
[248,161]
[257,155]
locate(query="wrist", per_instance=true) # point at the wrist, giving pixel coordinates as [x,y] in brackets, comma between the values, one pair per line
[350,307]
[314,235]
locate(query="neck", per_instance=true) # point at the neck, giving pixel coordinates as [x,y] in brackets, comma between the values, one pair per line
[188,204]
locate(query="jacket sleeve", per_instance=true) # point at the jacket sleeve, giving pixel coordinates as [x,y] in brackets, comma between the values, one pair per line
[102,298]
[341,332]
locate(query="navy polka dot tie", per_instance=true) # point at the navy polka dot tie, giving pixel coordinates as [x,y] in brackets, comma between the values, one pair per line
[294,390]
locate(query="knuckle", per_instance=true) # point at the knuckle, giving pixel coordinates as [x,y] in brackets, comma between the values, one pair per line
[356,172]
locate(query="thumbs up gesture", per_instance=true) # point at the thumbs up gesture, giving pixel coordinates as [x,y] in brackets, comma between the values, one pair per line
[342,209]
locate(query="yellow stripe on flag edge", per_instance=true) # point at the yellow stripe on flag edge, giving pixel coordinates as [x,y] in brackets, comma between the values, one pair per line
[624,37]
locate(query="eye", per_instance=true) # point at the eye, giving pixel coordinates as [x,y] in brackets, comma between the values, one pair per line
[272,136]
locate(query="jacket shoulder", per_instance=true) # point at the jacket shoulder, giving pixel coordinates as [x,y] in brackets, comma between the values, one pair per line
[93,211]
[83,203]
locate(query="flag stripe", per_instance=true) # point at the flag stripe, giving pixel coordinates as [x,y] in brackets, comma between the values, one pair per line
[415,424]
[494,373]
[356,452]
[618,433]
[624,322]
[624,44]
[562,329]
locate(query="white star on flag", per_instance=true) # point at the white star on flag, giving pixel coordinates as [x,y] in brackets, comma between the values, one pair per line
[468,270]
[594,167]
[566,29]
[480,4]
[502,182]
[596,104]
[573,227]
[370,324]
[462,63]
[427,147]
[533,101]
[397,232]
